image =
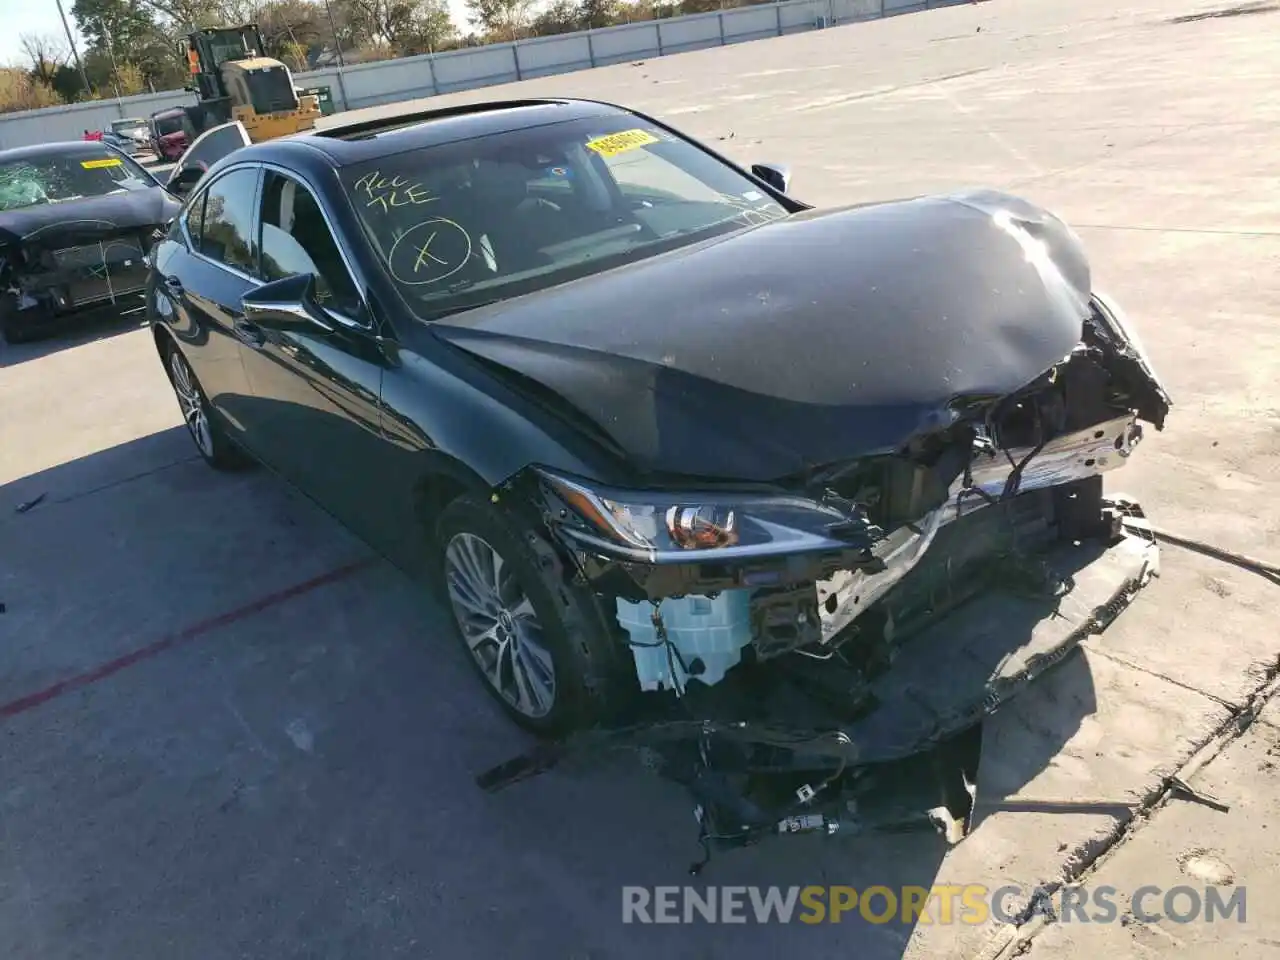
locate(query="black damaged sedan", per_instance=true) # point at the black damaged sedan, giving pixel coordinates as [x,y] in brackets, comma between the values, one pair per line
[77,222]
[781,495]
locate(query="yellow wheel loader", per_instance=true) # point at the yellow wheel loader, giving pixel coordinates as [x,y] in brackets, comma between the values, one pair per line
[234,81]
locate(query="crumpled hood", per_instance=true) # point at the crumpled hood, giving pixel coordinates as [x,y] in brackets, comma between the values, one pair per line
[73,221]
[819,338]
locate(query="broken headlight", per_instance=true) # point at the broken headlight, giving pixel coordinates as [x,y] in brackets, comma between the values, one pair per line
[669,527]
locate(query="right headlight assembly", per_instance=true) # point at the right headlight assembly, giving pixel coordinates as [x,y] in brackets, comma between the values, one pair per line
[680,527]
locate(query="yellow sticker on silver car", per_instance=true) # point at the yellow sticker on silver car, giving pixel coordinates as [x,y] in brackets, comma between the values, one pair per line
[98,164]
[616,143]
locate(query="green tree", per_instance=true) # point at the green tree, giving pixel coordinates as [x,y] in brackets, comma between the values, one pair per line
[134,33]
[563,16]
[126,25]
[598,13]
[394,27]
[502,19]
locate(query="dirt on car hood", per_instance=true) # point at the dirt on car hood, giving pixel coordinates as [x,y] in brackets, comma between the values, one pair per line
[810,340]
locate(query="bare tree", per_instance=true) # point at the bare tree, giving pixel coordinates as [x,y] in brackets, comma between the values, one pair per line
[46,53]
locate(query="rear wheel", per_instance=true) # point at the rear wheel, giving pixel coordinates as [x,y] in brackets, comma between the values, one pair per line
[217,450]
[540,644]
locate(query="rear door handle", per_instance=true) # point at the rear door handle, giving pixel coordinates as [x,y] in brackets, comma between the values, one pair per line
[250,333]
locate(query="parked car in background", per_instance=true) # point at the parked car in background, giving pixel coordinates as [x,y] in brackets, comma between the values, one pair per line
[170,133]
[130,135]
[77,221]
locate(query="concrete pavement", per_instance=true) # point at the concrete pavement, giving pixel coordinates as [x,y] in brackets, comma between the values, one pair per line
[267,742]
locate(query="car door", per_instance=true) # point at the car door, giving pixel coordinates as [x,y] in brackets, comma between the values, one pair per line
[206,150]
[317,389]
[204,280]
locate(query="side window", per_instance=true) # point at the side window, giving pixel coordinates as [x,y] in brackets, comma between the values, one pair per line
[195,219]
[227,233]
[296,239]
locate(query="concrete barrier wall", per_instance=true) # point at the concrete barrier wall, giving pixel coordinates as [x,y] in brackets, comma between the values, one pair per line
[70,122]
[371,84]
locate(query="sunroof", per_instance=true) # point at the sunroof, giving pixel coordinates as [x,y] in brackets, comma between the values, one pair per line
[369,129]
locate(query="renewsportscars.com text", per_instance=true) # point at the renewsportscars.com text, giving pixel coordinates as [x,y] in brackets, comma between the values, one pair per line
[972,904]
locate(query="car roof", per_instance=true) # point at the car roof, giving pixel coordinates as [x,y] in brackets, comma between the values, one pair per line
[385,136]
[39,150]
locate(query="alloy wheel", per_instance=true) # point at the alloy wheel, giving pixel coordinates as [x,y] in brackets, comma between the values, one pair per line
[499,625]
[191,402]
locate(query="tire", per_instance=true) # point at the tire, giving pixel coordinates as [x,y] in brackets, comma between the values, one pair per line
[211,441]
[12,331]
[551,628]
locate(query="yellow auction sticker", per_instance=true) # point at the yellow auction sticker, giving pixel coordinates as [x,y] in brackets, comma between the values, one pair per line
[621,142]
[98,164]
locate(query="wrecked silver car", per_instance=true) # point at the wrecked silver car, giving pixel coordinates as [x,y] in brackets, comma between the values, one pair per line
[784,500]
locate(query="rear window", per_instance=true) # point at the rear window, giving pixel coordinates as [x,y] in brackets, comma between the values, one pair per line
[498,216]
[57,179]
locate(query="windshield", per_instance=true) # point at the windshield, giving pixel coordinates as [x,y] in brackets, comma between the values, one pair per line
[271,89]
[54,179]
[168,125]
[499,216]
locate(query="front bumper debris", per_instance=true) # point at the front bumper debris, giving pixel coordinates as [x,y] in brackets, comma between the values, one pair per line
[841,746]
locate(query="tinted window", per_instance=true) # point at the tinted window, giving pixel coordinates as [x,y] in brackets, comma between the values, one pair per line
[227,232]
[502,215]
[195,219]
[214,144]
[48,179]
[296,239]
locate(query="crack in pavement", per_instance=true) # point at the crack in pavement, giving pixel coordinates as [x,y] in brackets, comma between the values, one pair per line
[1133,665]
[1015,939]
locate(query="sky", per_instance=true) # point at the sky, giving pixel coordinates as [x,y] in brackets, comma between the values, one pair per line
[41,17]
[28,17]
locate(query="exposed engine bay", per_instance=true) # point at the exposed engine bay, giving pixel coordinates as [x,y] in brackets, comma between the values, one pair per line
[66,277]
[827,668]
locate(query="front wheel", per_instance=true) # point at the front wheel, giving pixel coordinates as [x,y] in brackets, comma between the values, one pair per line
[13,331]
[217,450]
[539,643]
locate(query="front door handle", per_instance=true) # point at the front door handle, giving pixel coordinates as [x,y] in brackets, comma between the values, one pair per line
[173,285]
[250,333]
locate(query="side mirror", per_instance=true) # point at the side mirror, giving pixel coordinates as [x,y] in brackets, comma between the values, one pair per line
[776,175]
[288,304]
[183,181]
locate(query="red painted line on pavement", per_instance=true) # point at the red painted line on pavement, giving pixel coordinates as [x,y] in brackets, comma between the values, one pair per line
[196,630]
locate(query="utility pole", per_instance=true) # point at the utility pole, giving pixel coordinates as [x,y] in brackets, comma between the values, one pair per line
[337,46]
[115,71]
[333,28]
[84,78]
